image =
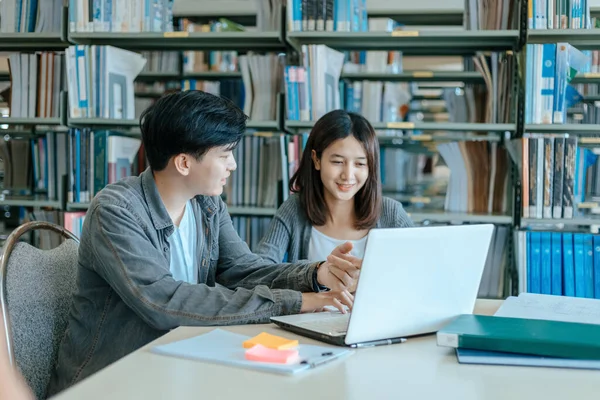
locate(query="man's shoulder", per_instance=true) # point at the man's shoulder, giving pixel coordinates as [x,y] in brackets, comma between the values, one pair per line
[126,193]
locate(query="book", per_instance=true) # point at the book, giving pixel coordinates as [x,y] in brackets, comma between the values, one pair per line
[522,336]
[468,356]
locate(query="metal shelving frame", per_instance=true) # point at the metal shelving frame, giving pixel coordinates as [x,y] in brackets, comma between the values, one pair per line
[410,42]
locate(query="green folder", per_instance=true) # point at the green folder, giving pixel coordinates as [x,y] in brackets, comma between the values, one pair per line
[523,336]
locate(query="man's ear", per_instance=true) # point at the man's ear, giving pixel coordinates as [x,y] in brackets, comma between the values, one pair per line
[182,164]
[316,160]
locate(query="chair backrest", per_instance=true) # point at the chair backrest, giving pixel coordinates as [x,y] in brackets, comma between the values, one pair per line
[36,289]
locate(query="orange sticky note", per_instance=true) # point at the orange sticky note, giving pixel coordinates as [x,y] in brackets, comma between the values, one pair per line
[271,342]
[265,354]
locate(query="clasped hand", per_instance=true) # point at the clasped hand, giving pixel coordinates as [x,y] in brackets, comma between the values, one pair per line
[340,274]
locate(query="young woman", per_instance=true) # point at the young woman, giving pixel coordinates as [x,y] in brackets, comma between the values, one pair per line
[336,194]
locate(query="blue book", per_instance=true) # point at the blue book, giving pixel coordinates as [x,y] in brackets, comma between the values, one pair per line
[579,258]
[547,82]
[546,264]
[596,244]
[557,269]
[588,265]
[468,356]
[568,265]
[535,263]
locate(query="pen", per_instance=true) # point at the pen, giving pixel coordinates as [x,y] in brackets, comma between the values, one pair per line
[316,361]
[380,342]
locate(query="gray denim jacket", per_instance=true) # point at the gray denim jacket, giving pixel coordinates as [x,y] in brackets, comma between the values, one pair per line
[126,296]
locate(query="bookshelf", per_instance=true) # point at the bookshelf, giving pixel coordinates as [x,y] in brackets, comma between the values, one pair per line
[212,75]
[422,136]
[556,220]
[575,129]
[30,121]
[180,41]
[102,123]
[252,211]
[442,42]
[415,76]
[458,218]
[562,223]
[423,126]
[586,77]
[18,201]
[32,42]
[583,39]
[434,17]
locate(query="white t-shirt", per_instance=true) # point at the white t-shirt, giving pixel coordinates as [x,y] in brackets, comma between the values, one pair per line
[183,248]
[321,246]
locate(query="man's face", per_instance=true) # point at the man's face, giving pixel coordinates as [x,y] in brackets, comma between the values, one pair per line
[209,174]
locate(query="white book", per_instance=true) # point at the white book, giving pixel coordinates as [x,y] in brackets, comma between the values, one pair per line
[72,88]
[45,77]
[120,68]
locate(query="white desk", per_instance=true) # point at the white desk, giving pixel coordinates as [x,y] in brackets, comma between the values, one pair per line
[417,369]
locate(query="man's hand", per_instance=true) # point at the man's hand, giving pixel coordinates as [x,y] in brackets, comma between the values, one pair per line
[313,302]
[340,271]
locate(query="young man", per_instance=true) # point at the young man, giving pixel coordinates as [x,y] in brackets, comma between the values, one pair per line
[159,250]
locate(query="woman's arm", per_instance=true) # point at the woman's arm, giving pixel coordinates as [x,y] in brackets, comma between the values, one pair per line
[394,214]
[274,244]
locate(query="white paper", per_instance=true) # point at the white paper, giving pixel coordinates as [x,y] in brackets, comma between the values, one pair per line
[553,308]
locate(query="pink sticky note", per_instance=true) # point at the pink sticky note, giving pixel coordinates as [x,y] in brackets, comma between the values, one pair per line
[265,354]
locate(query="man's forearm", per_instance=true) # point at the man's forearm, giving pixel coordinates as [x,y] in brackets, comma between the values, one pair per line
[299,276]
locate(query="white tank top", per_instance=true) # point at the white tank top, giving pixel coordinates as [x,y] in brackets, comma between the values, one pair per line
[321,245]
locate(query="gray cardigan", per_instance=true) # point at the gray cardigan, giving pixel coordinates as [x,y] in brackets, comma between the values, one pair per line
[290,229]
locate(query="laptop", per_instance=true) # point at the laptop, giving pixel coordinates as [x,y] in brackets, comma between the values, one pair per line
[413,281]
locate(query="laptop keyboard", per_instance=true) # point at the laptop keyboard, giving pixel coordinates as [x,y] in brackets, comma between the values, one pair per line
[334,325]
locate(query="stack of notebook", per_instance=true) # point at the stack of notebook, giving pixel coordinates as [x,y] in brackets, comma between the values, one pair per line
[529,330]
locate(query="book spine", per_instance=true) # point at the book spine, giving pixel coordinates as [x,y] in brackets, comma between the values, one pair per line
[548,176]
[557,269]
[547,82]
[524,345]
[569,177]
[533,153]
[557,186]
[525,175]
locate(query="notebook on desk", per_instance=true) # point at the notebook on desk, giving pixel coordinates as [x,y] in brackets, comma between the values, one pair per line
[482,357]
[227,348]
[413,281]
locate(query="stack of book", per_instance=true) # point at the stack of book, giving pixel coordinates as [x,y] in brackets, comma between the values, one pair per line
[529,330]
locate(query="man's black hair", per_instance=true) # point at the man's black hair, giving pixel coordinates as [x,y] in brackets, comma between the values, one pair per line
[189,122]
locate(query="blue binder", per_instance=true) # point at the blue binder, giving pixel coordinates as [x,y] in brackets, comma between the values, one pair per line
[568,265]
[578,253]
[546,264]
[557,264]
